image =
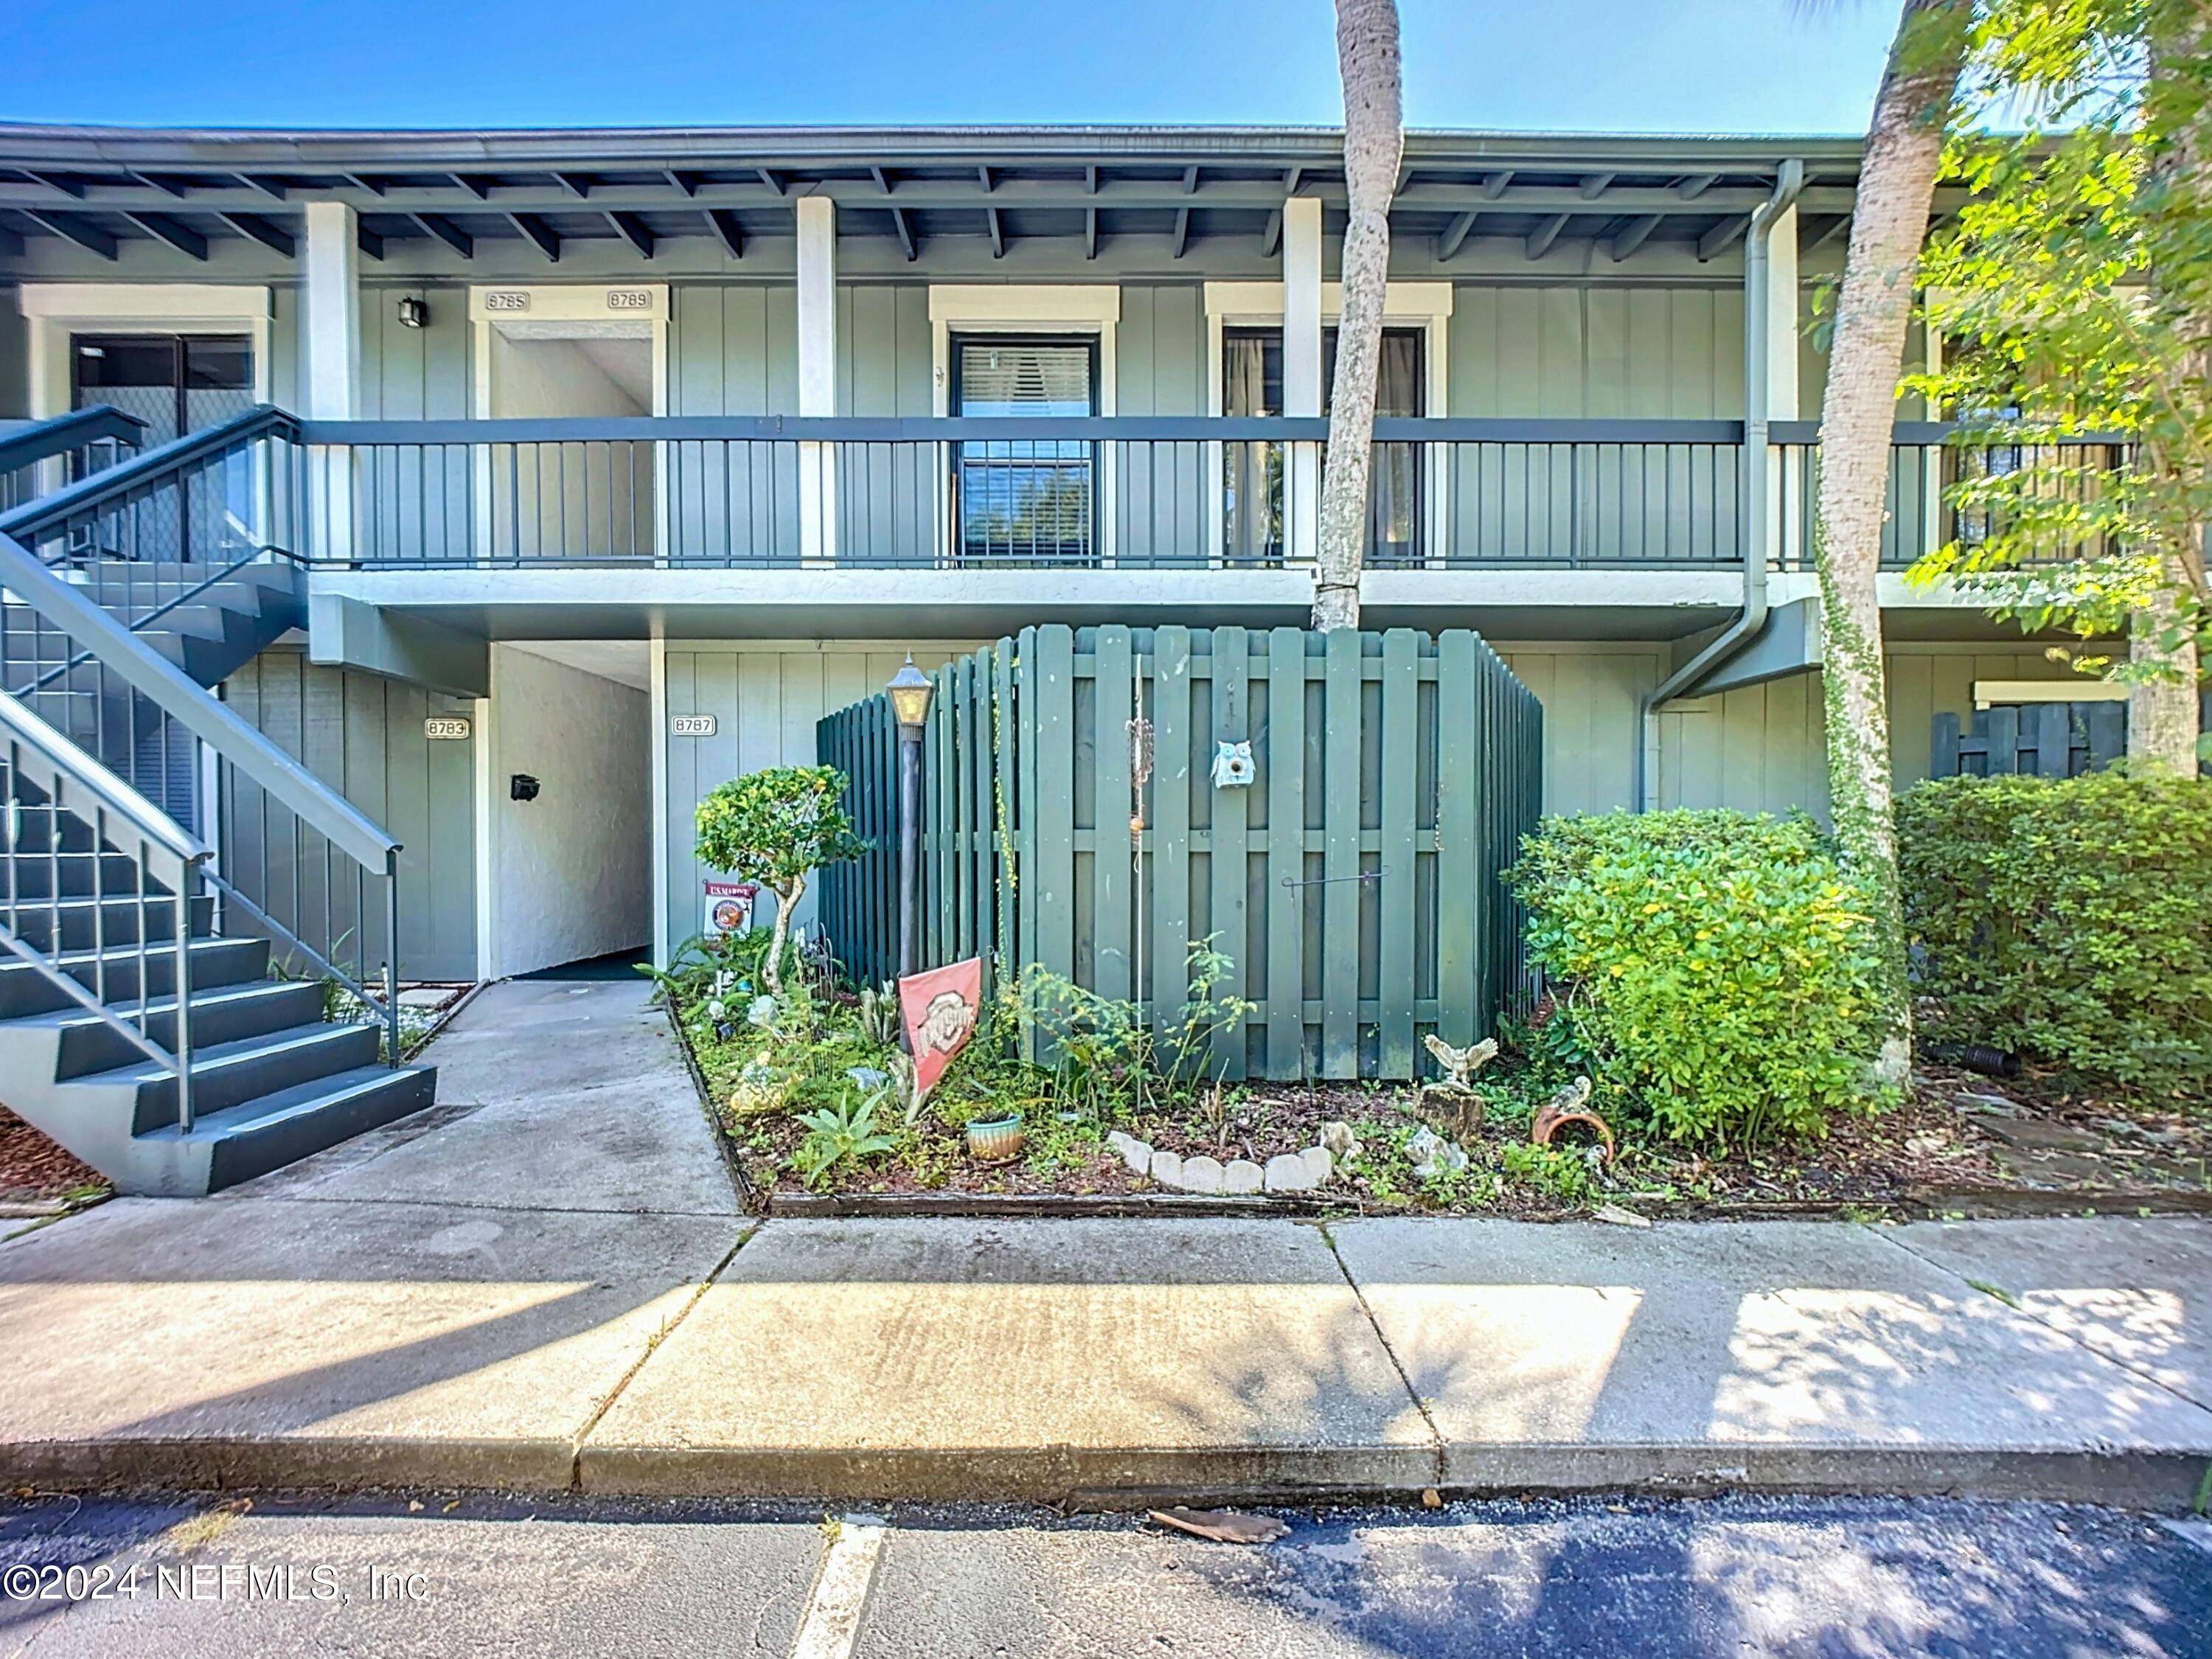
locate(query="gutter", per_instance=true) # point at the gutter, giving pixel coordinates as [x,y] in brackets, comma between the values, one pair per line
[1739,633]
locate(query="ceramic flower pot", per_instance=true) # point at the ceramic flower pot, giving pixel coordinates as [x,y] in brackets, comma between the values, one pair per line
[994,1140]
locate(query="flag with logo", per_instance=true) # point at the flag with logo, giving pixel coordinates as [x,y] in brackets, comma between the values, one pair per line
[938,1010]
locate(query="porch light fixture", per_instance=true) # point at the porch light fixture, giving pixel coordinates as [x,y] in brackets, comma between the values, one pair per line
[910,690]
[413,313]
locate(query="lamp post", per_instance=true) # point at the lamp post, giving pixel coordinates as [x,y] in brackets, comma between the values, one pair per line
[910,690]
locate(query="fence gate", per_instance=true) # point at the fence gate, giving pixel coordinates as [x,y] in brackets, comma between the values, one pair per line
[1073,818]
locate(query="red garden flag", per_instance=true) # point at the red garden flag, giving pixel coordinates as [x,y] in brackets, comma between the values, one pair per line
[938,1010]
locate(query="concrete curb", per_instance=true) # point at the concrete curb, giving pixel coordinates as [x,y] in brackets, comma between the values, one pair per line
[2155,1480]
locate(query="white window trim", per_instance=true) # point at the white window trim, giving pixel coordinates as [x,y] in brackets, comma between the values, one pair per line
[1987,692]
[569,311]
[56,310]
[1424,306]
[1071,308]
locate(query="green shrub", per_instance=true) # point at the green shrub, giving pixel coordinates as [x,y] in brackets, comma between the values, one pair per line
[2067,919]
[1713,971]
[774,826]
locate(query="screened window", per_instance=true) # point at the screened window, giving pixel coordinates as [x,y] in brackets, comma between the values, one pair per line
[1031,499]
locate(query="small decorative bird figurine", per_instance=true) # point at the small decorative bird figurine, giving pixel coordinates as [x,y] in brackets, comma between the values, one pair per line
[1461,1064]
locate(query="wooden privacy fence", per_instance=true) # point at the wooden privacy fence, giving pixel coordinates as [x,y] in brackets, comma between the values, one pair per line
[2052,739]
[1072,819]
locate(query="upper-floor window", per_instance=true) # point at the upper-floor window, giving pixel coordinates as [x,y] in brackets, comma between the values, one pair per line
[1252,385]
[1028,499]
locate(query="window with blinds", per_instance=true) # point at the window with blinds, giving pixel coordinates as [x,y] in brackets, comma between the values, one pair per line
[1030,499]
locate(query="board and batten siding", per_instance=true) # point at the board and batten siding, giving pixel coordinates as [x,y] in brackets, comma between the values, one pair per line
[1761,748]
[765,698]
[362,733]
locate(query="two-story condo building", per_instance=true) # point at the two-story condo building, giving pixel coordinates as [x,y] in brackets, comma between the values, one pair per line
[526,485]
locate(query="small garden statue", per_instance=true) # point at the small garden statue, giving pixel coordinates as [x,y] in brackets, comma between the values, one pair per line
[1458,1084]
[775,827]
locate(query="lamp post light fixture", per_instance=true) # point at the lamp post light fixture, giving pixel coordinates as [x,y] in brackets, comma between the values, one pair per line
[910,690]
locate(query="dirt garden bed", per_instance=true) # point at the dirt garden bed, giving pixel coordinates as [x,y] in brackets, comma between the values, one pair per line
[1961,1144]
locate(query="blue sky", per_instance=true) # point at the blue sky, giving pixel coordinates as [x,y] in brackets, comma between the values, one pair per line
[1598,65]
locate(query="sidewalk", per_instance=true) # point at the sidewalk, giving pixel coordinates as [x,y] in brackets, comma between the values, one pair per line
[548,1286]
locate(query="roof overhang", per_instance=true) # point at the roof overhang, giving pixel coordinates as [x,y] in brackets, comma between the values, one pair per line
[102,187]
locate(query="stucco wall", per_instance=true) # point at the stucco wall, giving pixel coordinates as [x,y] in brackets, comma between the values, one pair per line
[571,871]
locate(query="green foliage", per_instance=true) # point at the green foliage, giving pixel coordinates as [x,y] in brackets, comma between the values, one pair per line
[776,825]
[1563,1172]
[1717,972]
[844,1133]
[1104,1053]
[2067,919]
[726,968]
[2070,293]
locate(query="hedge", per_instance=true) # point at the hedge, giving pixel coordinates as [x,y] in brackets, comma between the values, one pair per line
[1714,971]
[2066,920]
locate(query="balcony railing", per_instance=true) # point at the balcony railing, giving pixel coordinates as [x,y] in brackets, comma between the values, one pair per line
[1145,494]
[1926,461]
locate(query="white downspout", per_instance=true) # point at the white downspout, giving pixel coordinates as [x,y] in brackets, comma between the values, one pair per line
[1757,277]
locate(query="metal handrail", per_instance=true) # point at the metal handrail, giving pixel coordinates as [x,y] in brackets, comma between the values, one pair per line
[32,441]
[79,784]
[148,470]
[187,702]
[1132,428]
[91,776]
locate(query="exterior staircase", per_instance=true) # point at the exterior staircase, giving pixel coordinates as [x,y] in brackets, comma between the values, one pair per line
[272,1078]
[111,902]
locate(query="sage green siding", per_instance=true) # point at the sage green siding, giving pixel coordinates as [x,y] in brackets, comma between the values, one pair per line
[765,698]
[362,733]
[15,362]
[1160,351]
[1596,353]
[1759,749]
[414,373]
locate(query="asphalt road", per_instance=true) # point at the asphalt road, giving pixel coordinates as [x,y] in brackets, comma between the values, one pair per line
[435,1575]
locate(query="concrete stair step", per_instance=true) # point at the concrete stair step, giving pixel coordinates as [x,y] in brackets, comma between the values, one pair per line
[221,1014]
[274,1129]
[24,991]
[228,1073]
[84,924]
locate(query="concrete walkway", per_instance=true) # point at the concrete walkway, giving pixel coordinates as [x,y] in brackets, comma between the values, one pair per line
[545,1284]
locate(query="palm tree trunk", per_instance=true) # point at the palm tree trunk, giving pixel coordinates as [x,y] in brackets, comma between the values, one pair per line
[1367,58]
[1889,225]
[2163,713]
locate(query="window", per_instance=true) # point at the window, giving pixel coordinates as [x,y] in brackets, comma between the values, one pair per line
[1026,500]
[1252,385]
[178,384]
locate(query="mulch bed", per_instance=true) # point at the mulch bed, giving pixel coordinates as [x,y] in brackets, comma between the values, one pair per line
[1961,1144]
[35,1168]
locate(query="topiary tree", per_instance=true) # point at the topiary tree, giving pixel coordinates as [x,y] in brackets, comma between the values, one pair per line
[774,827]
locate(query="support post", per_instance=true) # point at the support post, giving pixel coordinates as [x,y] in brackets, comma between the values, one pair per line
[818,376]
[392,955]
[1302,386]
[329,307]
